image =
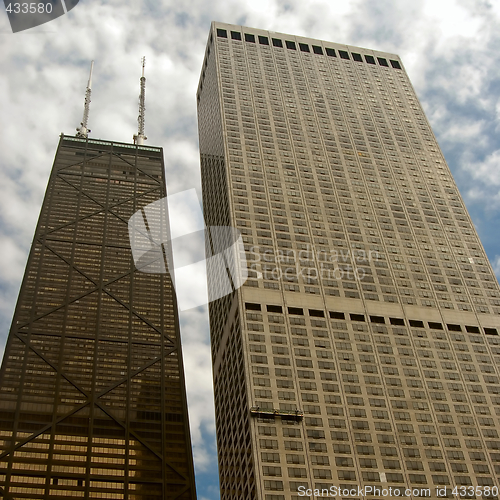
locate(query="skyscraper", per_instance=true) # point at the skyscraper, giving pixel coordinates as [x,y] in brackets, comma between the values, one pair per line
[363,351]
[92,396]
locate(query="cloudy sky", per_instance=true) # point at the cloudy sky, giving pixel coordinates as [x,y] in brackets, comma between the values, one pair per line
[449,48]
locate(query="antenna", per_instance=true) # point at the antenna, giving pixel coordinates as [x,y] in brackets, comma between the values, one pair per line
[83,131]
[139,138]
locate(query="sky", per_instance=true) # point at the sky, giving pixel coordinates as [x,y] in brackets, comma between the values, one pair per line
[449,49]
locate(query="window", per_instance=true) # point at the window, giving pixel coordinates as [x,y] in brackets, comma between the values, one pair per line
[271,471]
[355,401]
[383,426]
[274,309]
[383,415]
[273,485]
[368,463]
[481,469]
[408,428]
[388,451]
[270,457]
[416,323]
[290,45]
[263,40]
[315,434]
[258,359]
[399,404]
[235,35]
[346,475]
[435,326]
[277,42]
[472,329]
[269,444]
[424,417]
[304,47]
[343,54]
[411,452]
[294,446]
[357,57]
[395,64]
[369,59]
[337,448]
[430,441]
[317,313]
[249,38]
[366,450]
[317,50]
[360,425]
[477,456]
[356,317]
[296,472]
[391,464]
[330,52]
[222,33]
[295,459]
[280,361]
[344,462]
[260,370]
[382,61]
[248,305]
[262,382]
[336,315]
[291,432]
[320,460]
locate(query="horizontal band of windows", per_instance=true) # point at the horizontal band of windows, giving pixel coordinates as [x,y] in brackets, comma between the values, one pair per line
[304,47]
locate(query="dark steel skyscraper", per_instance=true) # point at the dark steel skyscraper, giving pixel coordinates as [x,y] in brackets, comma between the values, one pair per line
[92,396]
[363,351]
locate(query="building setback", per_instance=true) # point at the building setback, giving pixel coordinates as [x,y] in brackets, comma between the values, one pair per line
[92,396]
[363,350]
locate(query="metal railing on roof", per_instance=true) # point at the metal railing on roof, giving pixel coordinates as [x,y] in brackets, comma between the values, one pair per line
[256,411]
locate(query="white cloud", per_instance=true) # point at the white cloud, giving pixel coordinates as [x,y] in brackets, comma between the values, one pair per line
[463,130]
[496,266]
[485,190]
[198,373]
[487,171]
[452,19]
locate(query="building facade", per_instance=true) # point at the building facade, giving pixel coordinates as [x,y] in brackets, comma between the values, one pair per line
[92,396]
[364,349]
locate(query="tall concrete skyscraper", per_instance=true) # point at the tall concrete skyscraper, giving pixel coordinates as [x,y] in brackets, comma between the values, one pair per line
[363,351]
[92,396]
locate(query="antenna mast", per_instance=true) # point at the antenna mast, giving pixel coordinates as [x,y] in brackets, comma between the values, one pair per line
[83,131]
[139,138]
